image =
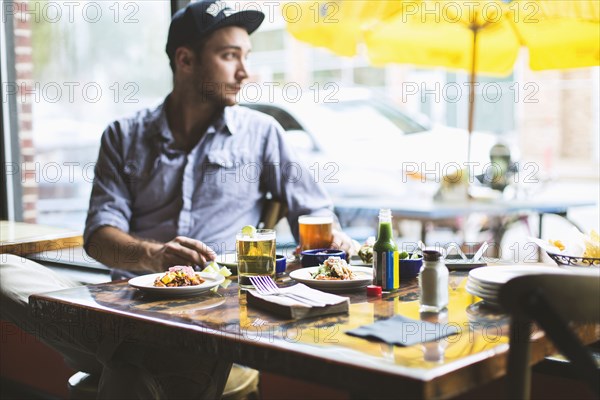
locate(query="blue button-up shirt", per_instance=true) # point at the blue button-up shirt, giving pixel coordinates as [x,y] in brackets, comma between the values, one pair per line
[146,187]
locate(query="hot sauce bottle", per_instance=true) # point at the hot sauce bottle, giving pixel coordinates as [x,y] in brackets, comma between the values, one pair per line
[385,254]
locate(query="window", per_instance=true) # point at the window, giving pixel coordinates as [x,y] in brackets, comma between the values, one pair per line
[369,76]
[494,102]
[327,76]
[79,66]
[272,40]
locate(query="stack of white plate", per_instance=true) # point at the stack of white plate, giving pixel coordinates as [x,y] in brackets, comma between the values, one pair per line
[485,282]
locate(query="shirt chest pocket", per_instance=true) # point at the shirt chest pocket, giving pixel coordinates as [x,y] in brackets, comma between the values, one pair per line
[230,174]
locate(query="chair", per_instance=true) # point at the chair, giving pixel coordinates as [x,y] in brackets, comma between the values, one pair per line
[242,384]
[551,301]
[273,210]
[558,365]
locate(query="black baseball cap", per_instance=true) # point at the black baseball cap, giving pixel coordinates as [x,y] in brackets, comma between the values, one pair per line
[201,18]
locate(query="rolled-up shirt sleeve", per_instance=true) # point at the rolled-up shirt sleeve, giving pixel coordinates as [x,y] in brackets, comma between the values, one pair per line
[110,201]
[290,180]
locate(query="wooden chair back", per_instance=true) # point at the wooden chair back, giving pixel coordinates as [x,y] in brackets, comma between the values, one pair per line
[551,301]
[273,211]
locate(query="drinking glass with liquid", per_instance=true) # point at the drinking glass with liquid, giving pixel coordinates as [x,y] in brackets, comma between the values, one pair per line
[255,255]
[316,232]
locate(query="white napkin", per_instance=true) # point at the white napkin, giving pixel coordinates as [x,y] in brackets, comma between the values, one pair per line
[317,296]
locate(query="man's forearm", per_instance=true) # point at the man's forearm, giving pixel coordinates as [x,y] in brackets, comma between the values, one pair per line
[117,249]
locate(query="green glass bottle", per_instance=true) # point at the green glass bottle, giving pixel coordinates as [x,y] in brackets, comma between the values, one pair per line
[385,254]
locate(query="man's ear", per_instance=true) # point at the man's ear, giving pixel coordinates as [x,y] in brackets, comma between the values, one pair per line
[184,58]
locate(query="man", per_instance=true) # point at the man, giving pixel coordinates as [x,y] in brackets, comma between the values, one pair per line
[170,189]
[174,184]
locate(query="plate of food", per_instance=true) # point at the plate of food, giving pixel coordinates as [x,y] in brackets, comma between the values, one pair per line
[178,281]
[334,274]
[574,250]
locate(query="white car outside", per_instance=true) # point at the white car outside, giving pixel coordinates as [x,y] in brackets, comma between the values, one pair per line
[360,145]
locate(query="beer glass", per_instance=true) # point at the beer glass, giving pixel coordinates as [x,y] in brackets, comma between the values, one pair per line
[315,232]
[255,255]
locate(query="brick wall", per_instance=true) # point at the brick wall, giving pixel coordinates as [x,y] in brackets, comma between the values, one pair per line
[24,74]
[577,118]
[557,128]
[539,121]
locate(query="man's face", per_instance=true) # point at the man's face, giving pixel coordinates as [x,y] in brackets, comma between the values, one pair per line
[220,68]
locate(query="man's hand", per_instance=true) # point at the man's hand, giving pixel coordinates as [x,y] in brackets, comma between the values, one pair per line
[344,242]
[117,249]
[180,251]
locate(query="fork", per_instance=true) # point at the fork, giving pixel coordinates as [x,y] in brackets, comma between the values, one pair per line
[265,285]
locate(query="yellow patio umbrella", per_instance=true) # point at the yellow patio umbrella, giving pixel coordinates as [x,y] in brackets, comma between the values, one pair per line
[484,37]
[479,36]
[336,25]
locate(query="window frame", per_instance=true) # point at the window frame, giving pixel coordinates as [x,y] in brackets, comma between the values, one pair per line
[11,188]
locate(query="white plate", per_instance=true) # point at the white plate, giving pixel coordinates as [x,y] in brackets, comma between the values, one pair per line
[499,275]
[146,283]
[364,277]
[485,282]
[482,289]
[483,285]
[484,294]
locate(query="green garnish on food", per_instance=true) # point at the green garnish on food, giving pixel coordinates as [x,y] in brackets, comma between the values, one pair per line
[333,269]
[366,253]
[213,268]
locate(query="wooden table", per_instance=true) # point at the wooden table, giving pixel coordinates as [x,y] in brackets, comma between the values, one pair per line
[22,238]
[223,325]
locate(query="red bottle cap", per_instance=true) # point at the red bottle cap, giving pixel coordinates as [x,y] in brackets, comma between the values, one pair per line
[373,290]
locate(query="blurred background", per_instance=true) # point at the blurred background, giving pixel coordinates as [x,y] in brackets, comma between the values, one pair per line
[360,129]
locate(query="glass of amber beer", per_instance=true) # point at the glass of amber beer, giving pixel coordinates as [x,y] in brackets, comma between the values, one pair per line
[315,232]
[255,255]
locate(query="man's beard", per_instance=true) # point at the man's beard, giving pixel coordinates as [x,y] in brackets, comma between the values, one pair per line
[218,94]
